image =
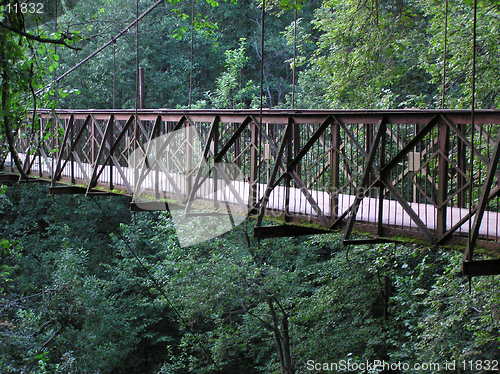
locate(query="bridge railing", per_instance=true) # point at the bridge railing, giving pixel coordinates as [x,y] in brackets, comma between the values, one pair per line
[390,172]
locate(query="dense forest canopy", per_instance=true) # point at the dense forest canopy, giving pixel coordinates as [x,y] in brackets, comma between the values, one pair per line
[75,298]
[86,286]
[349,54]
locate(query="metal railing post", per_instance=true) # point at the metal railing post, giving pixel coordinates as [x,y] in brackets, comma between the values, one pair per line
[442,193]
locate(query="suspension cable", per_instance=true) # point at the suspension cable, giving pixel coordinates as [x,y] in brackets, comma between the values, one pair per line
[445,54]
[137,88]
[191,57]
[294,55]
[103,47]
[135,140]
[114,75]
[262,31]
[56,86]
[56,16]
[473,124]
[55,47]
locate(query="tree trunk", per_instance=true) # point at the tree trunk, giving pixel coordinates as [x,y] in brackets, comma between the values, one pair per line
[6,111]
[285,343]
[282,339]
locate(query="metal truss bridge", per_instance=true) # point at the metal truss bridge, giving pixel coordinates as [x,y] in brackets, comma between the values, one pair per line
[427,175]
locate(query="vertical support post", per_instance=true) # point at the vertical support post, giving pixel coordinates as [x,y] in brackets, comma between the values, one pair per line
[39,151]
[11,159]
[296,144]
[134,144]
[334,168]
[288,159]
[483,202]
[26,163]
[380,213]
[442,193]
[271,183]
[53,143]
[366,176]
[188,158]
[111,141]
[254,154]
[215,144]
[92,141]
[140,88]
[462,166]
[71,157]
[419,147]
[60,165]
[96,168]
[368,142]
[157,132]
[237,150]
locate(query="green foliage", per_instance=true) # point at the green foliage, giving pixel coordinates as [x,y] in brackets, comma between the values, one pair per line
[230,91]
[76,299]
[388,55]
[460,52]
[25,60]
[350,54]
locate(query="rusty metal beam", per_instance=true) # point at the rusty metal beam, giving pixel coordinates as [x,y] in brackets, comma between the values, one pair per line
[67,132]
[444,145]
[443,184]
[482,267]
[492,169]
[366,176]
[271,184]
[279,231]
[96,173]
[197,183]
[369,241]
[9,179]
[67,190]
[301,116]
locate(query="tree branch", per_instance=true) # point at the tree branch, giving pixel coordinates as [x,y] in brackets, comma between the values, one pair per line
[61,41]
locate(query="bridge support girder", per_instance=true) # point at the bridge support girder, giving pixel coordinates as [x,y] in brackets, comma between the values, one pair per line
[482,267]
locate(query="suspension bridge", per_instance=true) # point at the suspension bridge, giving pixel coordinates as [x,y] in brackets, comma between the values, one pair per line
[392,173]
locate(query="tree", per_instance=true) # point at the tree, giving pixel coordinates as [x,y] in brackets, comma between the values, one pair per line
[20,71]
[231,91]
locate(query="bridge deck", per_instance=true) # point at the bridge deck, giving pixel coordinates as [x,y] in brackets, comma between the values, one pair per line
[298,164]
[393,212]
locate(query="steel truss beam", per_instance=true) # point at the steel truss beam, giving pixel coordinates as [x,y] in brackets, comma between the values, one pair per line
[319,154]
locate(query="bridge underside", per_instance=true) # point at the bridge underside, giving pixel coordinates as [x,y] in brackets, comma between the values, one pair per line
[399,174]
